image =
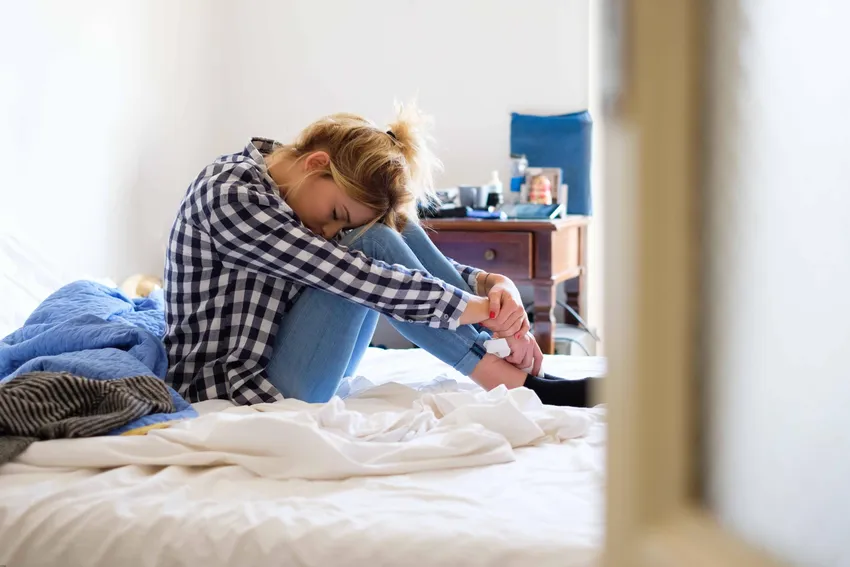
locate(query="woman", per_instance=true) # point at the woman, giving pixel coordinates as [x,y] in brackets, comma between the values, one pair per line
[282,257]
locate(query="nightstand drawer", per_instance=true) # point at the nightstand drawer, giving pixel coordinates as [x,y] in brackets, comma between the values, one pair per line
[507,253]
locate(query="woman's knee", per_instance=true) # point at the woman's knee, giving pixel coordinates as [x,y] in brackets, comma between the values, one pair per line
[371,242]
[413,230]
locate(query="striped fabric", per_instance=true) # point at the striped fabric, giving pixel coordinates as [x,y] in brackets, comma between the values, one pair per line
[53,405]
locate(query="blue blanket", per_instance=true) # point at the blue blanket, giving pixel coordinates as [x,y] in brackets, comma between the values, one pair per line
[94,331]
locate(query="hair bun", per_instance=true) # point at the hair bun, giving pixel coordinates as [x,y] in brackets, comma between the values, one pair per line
[411,129]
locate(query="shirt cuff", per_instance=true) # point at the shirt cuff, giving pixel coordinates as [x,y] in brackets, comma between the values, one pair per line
[449,309]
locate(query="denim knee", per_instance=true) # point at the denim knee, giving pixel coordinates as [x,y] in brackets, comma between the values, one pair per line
[413,230]
[377,238]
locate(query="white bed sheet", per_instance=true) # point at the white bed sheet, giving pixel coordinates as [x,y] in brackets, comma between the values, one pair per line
[396,366]
[543,509]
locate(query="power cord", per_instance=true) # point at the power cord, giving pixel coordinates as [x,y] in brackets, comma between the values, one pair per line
[582,325]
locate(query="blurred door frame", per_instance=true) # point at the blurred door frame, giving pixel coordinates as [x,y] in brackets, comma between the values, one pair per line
[653,88]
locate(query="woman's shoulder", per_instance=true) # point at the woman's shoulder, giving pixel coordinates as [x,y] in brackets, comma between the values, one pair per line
[232,168]
[233,177]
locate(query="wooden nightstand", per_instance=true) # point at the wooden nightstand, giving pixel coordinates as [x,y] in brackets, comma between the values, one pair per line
[539,253]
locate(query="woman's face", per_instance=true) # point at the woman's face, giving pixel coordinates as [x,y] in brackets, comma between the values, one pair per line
[322,205]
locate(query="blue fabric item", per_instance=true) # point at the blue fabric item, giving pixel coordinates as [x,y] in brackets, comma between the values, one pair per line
[323,337]
[558,141]
[97,332]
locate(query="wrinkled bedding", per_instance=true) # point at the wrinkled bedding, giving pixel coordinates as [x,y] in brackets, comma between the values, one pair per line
[535,497]
[90,330]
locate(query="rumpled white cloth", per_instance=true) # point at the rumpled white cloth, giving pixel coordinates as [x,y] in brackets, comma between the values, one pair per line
[390,429]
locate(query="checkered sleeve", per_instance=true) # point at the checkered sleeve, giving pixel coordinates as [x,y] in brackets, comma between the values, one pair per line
[251,231]
[469,274]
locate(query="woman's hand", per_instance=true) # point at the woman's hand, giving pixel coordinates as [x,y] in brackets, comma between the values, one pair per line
[507,314]
[525,353]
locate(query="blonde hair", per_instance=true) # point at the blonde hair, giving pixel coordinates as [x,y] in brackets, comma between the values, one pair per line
[388,170]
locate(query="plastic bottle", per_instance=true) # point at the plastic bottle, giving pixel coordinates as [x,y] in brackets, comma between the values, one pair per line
[494,190]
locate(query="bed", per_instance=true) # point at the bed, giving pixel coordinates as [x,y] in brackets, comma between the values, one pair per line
[64,502]
[545,508]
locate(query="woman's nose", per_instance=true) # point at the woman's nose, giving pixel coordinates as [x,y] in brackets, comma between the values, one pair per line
[330,230]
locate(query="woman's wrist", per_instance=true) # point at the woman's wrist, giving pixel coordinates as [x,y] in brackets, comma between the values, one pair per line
[481,283]
[477,310]
[485,282]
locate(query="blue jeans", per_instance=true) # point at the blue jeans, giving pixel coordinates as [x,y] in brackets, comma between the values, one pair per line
[323,337]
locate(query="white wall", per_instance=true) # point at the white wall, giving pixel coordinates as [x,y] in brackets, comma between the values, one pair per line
[285,63]
[115,106]
[104,118]
[779,387]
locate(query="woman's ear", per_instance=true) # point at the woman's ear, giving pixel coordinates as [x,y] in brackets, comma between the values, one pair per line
[317,161]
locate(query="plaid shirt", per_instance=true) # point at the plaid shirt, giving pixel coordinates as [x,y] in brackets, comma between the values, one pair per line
[237,259]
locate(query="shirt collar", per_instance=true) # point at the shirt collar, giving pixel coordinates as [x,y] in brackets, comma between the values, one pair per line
[256,150]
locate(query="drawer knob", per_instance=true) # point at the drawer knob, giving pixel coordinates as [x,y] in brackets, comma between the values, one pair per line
[489,254]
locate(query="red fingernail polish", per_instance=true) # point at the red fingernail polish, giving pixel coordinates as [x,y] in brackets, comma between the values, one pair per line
[492,314]
[519,335]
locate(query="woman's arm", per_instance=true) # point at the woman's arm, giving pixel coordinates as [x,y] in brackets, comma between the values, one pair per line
[507,316]
[483,281]
[477,311]
[469,274]
[250,231]
[479,281]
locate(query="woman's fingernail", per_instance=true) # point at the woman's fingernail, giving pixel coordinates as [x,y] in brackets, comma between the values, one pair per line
[492,314]
[519,335]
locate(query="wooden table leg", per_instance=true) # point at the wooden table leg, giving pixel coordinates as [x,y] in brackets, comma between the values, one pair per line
[544,316]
